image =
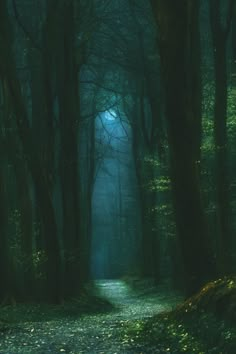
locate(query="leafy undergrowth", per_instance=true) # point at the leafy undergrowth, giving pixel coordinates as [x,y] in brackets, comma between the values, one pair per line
[205,323]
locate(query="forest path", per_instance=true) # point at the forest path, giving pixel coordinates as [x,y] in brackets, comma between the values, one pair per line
[104,333]
[135,304]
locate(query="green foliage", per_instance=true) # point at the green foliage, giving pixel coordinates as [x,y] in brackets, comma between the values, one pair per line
[148,159]
[163,210]
[39,259]
[231,121]
[160,184]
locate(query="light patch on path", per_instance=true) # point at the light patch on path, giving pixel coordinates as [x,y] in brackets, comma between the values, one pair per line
[135,304]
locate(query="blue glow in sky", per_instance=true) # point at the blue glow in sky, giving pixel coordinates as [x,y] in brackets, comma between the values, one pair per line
[110,115]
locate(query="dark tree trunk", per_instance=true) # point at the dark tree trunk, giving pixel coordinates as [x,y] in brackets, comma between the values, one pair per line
[86,206]
[25,206]
[69,116]
[180,63]
[219,38]
[5,286]
[234,45]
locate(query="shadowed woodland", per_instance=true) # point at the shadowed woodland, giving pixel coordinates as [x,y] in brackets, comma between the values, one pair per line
[117,176]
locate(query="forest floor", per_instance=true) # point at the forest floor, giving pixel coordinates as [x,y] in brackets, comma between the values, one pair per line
[128,326]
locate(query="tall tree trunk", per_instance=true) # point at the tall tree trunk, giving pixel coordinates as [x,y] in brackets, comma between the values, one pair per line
[219,38]
[13,151]
[234,45]
[180,63]
[87,205]
[5,286]
[26,219]
[69,117]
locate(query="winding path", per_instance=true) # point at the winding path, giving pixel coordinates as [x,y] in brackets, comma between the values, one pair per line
[92,334]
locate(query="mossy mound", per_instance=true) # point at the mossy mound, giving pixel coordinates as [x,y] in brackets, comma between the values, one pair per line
[218,297]
[204,323]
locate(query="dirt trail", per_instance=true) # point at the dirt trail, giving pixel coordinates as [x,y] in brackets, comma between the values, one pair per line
[91,334]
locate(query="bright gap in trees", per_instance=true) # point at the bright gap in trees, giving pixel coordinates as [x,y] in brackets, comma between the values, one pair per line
[115,202]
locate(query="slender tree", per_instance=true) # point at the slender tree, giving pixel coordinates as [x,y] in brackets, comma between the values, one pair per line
[5,287]
[220,34]
[69,112]
[234,44]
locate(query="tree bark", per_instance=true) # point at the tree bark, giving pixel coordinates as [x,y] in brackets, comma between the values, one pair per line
[69,113]
[5,286]
[234,46]
[219,38]
[180,62]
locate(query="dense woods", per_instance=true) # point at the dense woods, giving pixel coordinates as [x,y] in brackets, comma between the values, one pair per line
[117,149]
[117,144]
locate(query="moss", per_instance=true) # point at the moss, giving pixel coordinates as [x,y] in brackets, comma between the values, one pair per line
[217,297]
[204,323]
